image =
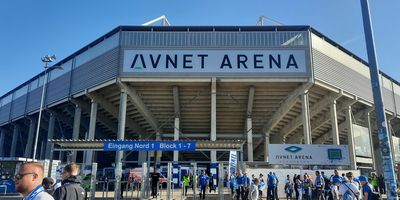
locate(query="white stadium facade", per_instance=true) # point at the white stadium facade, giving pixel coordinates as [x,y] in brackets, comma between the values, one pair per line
[259,85]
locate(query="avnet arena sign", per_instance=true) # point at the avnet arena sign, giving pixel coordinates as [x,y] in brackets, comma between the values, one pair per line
[231,62]
[311,154]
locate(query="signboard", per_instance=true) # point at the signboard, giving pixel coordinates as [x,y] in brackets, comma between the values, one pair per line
[232,162]
[217,62]
[301,154]
[149,146]
[362,142]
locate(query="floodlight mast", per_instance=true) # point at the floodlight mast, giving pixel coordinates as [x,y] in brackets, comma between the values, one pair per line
[261,19]
[164,19]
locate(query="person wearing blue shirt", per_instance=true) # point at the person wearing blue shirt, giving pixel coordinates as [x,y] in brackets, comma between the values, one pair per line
[367,188]
[276,186]
[203,179]
[319,185]
[240,188]
[246,185]
[28,182]
[271,180]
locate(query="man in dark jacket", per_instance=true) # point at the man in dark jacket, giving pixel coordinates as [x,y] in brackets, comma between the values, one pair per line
[71,186]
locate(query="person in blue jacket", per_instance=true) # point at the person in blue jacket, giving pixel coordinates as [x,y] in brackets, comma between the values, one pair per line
[203,180]
[271,181]
[240,186]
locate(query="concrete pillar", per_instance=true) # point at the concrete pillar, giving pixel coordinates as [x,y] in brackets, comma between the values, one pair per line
[374,164]
[42,150]
[120,136]
[2,139]
[158,153]
[213,154]
[50,134]
[249,127]
[306,118]
[334,123]
[76,129]
[390,133]
[92,129]
[31,132]
[266,147]
[176,137]
[14,140]
[350,138]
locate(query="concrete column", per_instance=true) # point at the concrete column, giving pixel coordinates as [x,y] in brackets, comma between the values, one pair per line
[306,118]
[350,138]
[31,132]
[249,127]
[371,141]
[266,147]
[14,140]
[42,150]
[120,136]
[158,153]
[213,154]
[76,129]
[50,134]
[92,129]
[390,133]
[176,137]
[2,139]
[334,123]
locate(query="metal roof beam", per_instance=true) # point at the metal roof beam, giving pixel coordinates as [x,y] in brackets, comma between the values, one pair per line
[140,105]
[109,107]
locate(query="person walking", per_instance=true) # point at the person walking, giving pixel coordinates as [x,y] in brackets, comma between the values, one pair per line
[271,186]
[155,179]
[246,186]
[28,182]
[288,187]
[307,187]
[203,179]
[71,188]
[212,184]
[367,188]
[261,186]
[348,190]
[239,186]
[185,181]
[381,184]
[299,191]
[254,193]
[319,185]
[334,188]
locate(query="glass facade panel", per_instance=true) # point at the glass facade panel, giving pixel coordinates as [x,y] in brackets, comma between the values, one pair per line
[20,92]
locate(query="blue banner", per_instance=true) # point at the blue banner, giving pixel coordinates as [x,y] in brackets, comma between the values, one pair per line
[149,146]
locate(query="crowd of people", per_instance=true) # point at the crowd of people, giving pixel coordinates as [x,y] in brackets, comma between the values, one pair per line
[306,186]
[31,183]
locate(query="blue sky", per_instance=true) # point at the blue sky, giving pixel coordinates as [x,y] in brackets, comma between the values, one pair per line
[31,29]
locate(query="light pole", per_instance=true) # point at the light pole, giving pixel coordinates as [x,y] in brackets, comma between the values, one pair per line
[46,59]
[383,135]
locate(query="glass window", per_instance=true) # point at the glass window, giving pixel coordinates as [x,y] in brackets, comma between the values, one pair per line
[97,50]
[20,92]
[34,84]
[7,99]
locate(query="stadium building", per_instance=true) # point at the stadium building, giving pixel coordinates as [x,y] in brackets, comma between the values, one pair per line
[255,84]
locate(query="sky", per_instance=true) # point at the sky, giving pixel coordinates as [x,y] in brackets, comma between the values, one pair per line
[32,29]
